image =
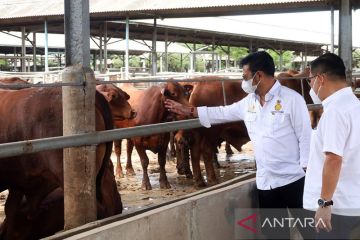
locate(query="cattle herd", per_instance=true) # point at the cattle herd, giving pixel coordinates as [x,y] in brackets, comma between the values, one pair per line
[34,207]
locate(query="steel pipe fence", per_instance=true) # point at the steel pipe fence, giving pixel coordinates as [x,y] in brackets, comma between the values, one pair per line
[37,145]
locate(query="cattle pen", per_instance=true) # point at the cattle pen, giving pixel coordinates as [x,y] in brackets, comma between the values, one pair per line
[207,214]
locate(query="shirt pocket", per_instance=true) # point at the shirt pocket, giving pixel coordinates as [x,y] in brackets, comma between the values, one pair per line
[279,122]
[250,120]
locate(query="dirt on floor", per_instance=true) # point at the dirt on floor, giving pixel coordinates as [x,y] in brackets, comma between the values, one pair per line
[134,198]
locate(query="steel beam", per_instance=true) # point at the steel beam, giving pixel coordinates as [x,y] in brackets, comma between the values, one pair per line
[345,37]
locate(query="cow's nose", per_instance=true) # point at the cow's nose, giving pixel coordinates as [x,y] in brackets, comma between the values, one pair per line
[133,114]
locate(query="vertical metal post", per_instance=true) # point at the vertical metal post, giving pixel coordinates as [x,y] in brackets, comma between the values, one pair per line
[100,50]
[220,59]
[166,51]
[181,61]
[78,117]
[194,58]
[281,58]
[34,51]
[23,50]
[305,56]
[153,50]
[212,55]
[332,29]
[228,57]
[127,49]
[345,36]
[105,46]
[46,47]
[250,46]
[94,60]
[217,63]
[15,60]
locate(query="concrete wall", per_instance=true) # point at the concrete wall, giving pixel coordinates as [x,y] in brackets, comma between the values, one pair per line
[203,217]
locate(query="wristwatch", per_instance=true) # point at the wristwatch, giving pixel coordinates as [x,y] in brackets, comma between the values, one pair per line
[325,203]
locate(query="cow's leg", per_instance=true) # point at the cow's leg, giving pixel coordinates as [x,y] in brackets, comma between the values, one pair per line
[215,157]
[129,148]
[182,154]
[117,147]
[208,151]
[228,149]
[144,164]
[172,145]
[164,183]
[195,161]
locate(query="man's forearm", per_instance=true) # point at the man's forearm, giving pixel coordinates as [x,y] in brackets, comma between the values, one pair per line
[330,175]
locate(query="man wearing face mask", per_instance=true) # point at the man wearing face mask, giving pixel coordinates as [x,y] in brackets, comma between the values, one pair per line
[278,124]
[332,185]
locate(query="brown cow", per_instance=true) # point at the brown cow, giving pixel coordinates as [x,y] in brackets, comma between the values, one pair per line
[302,87]
[204,141]
[31,179]
[12,80]
[149,105]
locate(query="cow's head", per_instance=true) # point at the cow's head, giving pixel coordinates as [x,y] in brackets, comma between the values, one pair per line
[178,93]
[118,101]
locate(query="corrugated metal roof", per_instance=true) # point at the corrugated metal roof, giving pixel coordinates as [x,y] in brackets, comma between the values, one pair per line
[17,11]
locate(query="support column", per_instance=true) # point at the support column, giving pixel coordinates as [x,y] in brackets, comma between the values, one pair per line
[332,29]
[101,49]
[46,47]
[228,57]
[345,37]
[127,48]
[153,50]
[213,64]
[105,46]
[23,50]
[166,52]
[34,51]
[78,117]
[281,58]
[193,56]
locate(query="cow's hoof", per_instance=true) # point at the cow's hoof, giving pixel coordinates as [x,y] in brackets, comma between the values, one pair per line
[130,172]
[146,185]
[120,174]
[200,184]
[212,182]
[189,175]
[165,185]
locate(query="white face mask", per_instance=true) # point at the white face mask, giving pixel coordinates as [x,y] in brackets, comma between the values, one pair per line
[315,96]
[247,85]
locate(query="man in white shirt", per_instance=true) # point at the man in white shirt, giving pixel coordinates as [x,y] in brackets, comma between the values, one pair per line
[278,124]
[332,185]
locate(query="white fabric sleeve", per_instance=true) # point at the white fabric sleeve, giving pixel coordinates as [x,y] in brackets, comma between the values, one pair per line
[335,132]
[222,114]
[300,120]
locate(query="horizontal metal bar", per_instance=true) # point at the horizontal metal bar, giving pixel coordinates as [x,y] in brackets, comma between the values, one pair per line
[58,84]
[37,145]
[312,107]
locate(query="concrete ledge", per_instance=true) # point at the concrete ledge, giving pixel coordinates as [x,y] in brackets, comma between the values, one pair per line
[208,215]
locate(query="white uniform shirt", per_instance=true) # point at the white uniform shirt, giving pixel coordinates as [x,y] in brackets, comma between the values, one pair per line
[338,132]
[280,132]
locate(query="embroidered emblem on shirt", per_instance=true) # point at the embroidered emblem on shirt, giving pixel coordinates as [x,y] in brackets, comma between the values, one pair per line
[278,105]
[277,108]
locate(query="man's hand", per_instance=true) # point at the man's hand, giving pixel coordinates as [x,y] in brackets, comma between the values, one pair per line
[178,108]
[323,219]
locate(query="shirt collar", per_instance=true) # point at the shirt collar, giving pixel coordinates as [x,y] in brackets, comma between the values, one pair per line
[335,96]
[274,91]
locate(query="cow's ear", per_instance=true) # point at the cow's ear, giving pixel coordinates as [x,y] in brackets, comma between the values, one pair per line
[188,89]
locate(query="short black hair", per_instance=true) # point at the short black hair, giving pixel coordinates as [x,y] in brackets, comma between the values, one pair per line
[259,61]
[329,63]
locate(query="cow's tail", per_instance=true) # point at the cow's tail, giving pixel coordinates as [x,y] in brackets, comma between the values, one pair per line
[109,202]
